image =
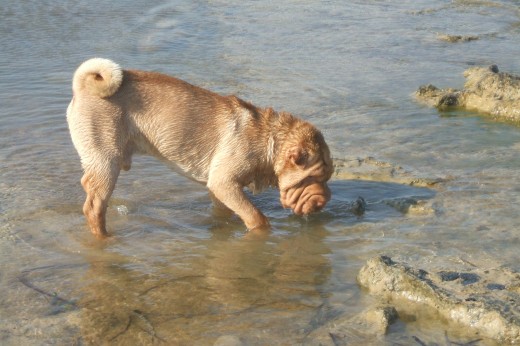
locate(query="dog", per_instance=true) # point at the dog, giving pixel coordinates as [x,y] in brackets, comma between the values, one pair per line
[220,141]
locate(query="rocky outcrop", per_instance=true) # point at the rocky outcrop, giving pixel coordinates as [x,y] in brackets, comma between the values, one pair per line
[486,90]
[474,300]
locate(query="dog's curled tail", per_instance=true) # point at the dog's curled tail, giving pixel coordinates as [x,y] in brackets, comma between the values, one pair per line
[97,76]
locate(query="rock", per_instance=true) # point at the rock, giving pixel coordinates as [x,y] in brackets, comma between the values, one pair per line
[368,326]
[440,98]
[412,206]
[486,90]
[228,340]
[380,318]
[370,169]
[359,206]
[374,170]
[456,38]
[464,278]
[469,299]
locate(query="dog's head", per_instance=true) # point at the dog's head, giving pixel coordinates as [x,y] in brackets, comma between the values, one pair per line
[303,168]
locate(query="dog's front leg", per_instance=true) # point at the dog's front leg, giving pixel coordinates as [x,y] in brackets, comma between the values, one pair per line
[219,208]
[232,195]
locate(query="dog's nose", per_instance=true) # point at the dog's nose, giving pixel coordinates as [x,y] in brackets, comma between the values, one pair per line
[314,204]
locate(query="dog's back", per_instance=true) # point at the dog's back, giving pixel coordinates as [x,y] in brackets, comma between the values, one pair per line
[115,113]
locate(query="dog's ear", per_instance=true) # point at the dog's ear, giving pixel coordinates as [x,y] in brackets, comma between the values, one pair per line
[297,156]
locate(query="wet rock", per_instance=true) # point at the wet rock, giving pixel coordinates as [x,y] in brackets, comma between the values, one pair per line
[456,38]
[464,278]
[412,206]
[228,340]
[375,170]
[486,90]
[462,298]
[368,326]
[359,206]
[380,318]
[440,98]
[496,287]
[370,169]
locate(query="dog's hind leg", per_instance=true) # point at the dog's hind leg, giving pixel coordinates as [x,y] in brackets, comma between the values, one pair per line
[99,184]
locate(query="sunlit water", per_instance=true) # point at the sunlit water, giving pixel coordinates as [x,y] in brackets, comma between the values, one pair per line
[172,273]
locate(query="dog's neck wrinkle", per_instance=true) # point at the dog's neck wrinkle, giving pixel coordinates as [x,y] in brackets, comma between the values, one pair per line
[267,132]
[272,142]
[280,125]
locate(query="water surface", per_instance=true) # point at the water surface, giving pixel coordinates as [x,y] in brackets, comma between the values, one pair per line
[175,275]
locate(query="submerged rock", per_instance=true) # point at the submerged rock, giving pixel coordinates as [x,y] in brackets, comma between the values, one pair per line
[379,318]
[367,327]
[486,90]
[412,206]
[370,169]
[457,38]
[228,340]
[470,299]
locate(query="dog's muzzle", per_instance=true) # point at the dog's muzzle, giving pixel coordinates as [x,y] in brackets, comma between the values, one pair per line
[306,197]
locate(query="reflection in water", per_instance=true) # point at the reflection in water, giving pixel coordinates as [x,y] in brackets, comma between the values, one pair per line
[230,287]
[155,283]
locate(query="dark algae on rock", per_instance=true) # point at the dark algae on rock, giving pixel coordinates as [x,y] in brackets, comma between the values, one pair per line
[472,299]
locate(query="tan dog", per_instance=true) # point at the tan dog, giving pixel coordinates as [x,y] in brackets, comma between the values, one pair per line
[220,141]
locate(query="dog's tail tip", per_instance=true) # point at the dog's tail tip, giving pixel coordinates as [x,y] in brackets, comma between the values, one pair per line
[98,76]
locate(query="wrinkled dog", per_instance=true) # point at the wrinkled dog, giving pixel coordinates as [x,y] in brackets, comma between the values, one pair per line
[220,141]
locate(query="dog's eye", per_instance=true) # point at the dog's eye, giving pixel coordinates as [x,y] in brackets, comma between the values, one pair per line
[302,159]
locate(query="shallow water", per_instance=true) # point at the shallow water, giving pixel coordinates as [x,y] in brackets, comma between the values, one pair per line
[172,273]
